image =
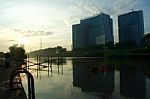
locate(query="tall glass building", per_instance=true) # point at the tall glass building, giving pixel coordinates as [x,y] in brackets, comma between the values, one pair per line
[131,28]
[95,30]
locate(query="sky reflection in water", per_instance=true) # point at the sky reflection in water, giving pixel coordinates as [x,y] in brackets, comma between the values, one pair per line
[94,79]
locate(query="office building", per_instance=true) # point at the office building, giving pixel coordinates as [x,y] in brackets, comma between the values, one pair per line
[91,31]
[80,36]
[131,29]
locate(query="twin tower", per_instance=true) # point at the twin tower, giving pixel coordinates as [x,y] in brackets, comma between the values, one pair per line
[98,30]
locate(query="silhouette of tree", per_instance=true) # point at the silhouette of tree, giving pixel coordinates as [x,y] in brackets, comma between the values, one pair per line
[2,55]
[17,54]
[110,45]
[146,41]
[117,45]
[128,44]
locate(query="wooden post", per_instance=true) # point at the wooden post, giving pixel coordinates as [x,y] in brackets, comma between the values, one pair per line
[48,65]
[40,65]
[62,65]
[51,64]
[37,65]
[58,64]
[39,61]
[28,61]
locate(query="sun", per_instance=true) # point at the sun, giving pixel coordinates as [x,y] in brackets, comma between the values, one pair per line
[23,40]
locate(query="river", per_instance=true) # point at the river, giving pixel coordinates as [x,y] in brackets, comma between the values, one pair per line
[93,78]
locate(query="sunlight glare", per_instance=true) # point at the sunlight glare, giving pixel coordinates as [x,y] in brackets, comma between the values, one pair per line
[23,40]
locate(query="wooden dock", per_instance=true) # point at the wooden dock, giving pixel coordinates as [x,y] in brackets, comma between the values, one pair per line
[46,65]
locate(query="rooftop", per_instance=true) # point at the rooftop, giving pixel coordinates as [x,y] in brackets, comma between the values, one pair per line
[95,15]
[130,12]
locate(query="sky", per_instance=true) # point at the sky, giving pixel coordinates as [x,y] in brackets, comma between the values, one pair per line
[31,22]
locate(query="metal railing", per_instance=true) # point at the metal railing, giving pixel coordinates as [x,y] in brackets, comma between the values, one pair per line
[31,90]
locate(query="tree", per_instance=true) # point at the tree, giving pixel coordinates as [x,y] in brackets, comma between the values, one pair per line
[17,54]
[60,50]
[2,55]
[117,45]
[110,45]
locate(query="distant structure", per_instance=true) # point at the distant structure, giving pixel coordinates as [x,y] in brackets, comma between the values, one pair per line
[131,29]
[95,30]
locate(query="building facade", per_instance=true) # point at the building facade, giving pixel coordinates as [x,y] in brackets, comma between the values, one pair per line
[95,30]
[80,36]
[131,29]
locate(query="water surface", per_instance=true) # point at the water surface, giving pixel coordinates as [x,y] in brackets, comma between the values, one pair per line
[93,78]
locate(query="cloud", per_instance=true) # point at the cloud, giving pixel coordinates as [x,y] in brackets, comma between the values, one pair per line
[92,7]
[31,33]
[85,6]
[121,6]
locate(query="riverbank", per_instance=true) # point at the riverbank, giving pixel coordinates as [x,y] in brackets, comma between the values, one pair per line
[128,53]
[94,52]
[5,91]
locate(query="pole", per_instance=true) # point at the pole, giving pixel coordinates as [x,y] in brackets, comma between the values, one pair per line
[62,65]
[37,64]
[58,64]
[40,52]
[51,64]
[48,65]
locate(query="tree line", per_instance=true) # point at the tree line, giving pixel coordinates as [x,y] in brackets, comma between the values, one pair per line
[55,51]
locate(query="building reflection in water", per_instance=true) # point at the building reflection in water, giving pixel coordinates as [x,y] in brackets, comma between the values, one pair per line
[132,82]
[92,75]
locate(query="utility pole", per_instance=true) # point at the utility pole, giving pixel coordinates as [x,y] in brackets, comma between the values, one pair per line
[41,43]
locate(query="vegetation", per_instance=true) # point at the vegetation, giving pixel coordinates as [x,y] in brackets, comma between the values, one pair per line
[17,54]
[128,53]
[109,50]
[2,55]
[56,51]
[92,51]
